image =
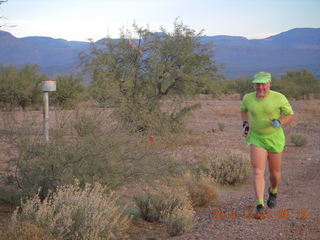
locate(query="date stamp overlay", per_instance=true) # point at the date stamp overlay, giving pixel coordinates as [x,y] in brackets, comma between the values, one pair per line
[220,214]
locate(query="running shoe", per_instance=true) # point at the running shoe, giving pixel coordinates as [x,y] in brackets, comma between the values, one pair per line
[261,212]
[272,200]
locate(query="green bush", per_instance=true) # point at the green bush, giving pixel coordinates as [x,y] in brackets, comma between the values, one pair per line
[69,91]
[112,157]
[227,168]
[73,213]
[298,140]
[154,67]
[151,120]
[20,87]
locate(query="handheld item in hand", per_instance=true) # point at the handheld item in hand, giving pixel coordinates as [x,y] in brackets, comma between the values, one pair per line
[276,123]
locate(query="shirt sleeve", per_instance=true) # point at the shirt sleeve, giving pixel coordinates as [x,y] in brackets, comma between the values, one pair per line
[243,106]
[286,108]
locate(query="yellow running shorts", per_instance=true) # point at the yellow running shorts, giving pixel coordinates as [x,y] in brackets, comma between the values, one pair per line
[274,142]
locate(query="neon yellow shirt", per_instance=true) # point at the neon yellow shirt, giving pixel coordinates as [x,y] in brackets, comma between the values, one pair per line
[273,106]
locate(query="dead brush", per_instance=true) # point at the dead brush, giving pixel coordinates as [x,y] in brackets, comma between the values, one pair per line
[201,188]
[172,207]
[226,168]
[27,231]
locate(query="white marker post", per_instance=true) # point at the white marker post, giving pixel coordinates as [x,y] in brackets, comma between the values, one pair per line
[47,86]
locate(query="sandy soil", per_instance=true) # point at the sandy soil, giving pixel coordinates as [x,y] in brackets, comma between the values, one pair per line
[297,215]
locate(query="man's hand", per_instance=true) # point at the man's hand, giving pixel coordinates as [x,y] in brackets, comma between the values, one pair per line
[276,123]
[245,129]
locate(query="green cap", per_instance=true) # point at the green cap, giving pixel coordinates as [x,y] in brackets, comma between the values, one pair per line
[262,77]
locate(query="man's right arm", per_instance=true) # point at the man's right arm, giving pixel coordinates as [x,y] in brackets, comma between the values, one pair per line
[245,124]
[244,116]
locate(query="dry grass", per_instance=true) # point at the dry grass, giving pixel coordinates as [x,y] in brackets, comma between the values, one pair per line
[27,231]
[170,206]
[227,168]
[202,189]
[75,213]
[227,111]
[306,111]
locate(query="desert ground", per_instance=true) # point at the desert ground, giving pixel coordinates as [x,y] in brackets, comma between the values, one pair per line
[297,215]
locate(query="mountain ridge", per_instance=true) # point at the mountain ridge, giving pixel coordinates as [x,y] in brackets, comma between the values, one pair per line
[290,50]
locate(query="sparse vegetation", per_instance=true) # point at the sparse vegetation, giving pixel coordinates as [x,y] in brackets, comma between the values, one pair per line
[110,156]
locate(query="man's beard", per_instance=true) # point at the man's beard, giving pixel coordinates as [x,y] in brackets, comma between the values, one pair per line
[263,94]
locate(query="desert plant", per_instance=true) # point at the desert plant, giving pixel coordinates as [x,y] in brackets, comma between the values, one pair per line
[173,208]
[221,126]
[26,231]
[153,67]
[178,221]
[112,157]
[86,122]
[298,140]
[74,213]
[202,189]
[227,168]
[20,87]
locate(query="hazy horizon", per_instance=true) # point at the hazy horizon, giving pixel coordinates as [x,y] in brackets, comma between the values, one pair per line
[81,20]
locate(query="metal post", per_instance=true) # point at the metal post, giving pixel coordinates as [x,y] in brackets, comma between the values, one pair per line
[46,116]
[47,86]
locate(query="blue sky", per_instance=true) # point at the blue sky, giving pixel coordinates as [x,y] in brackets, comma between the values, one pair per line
[94,19]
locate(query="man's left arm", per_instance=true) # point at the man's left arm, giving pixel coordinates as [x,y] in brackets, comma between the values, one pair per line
[287,119]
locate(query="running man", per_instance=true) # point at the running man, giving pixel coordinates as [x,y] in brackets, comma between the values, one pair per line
[263,113]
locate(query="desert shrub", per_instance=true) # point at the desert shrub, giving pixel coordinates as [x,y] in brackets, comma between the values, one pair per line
[221,126]
[299,84]
[26,231]
[153,67]
[178,221]
[75,213]
[86,122]
[202,189]
[298,140]
[170,207]
[113,158]
[227,168]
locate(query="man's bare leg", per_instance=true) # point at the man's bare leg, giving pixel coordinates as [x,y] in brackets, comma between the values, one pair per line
[258,159]
[275,169]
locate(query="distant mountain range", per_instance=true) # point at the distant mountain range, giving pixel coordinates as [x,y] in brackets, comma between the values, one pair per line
[292,50]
